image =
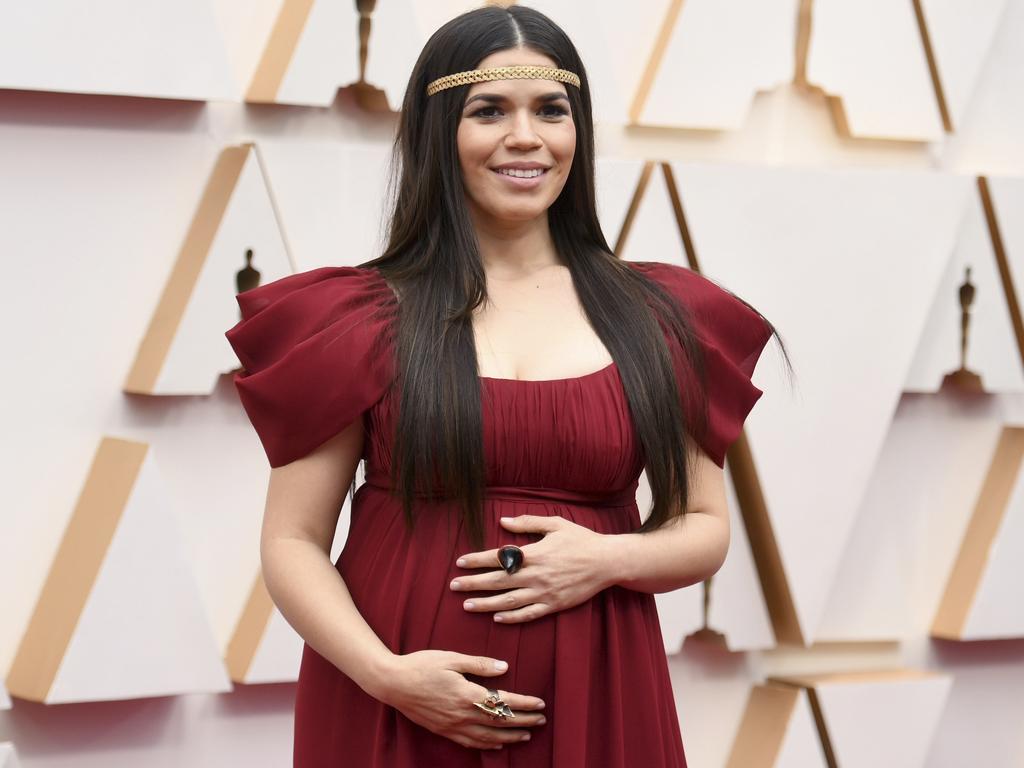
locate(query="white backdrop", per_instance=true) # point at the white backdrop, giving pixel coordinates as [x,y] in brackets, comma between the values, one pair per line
[112,121]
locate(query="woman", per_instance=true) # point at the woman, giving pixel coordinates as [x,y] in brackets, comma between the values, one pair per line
[506,378]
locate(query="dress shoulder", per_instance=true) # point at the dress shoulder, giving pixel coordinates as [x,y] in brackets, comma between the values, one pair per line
[316,352]
[731,336]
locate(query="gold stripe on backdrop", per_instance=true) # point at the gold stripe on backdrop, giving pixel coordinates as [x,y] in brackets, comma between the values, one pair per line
[108,486]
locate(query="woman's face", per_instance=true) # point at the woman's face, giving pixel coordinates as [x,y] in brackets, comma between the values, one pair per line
[516,141]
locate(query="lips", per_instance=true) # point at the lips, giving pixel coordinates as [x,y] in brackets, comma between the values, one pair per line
[521,173]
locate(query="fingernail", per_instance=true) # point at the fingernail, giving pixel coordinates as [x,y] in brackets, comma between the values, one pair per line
[501,665]
[468,605]
[455,585]
[541,705]
[498,617]
[542,721]
[461,562]
[526,737]
[506,519]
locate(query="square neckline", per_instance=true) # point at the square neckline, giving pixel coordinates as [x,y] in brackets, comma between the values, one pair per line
[599,371]
[605,368]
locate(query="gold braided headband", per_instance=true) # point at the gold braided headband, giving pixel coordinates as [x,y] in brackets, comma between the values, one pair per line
[518,72]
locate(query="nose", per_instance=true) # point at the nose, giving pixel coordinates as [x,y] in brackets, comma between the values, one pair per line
[521,132]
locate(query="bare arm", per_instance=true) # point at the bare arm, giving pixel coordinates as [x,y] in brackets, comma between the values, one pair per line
[685,551]
[304,500]
[429,687]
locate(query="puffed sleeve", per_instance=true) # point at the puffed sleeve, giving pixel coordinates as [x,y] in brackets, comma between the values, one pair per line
[315,350]
[731,337]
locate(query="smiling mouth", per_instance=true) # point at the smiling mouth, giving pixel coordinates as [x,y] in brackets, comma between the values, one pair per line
[519,173]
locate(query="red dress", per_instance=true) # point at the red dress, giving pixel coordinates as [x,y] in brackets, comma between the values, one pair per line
[553,447]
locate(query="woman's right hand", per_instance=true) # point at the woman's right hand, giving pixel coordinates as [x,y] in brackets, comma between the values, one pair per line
[428,687]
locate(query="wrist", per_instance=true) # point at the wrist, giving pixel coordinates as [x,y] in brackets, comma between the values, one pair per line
[615,559]
[377,675]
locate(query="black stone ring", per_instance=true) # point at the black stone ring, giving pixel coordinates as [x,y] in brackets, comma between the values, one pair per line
[510,557]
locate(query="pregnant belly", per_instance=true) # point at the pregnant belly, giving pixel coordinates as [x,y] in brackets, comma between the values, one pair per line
[399,580]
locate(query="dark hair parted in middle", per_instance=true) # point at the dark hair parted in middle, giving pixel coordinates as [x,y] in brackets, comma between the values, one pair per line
[432,260]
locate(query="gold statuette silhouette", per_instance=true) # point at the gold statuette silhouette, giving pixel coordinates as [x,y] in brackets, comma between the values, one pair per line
[706,635]
[367,96]
[963,379]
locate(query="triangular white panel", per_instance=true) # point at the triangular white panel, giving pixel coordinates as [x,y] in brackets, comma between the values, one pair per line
[654,234]
[961,43]
[143,630]
[848,285]
[249,221]
[923,490]
[326,56]
[163,50]
[992,350]
[997,611]
[737,607]
[870,55]
[719,54]
[8,756]
[616,180]
[883,723]
[348,183]
[801,744]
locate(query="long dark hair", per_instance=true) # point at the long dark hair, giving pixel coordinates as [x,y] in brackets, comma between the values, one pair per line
[432,261]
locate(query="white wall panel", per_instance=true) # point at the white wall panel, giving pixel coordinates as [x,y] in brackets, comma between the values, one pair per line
[992,350]
[616,180]
[654,233]
[820,254]
[883,723]
[330,197]
[870,55]
[98,192]
[166,50]
[718,56]
[326,56]
[914,515]
[249,221]
[9,756]
[144,629]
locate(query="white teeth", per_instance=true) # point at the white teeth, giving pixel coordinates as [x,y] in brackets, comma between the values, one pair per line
[521,173]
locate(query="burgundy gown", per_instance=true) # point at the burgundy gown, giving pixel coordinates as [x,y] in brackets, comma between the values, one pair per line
[313,347]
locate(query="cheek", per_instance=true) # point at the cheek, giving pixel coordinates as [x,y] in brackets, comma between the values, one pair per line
[473,147]
[563,147]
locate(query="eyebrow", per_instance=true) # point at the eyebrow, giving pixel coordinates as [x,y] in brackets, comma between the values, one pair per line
[497,97]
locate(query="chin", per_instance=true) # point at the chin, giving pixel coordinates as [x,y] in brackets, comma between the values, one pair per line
[517,214]
[519,210]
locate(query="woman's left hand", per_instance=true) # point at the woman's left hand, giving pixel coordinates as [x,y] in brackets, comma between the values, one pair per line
[565,568]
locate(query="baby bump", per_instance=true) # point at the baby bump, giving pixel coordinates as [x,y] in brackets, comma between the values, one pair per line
[399,580]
